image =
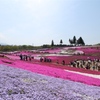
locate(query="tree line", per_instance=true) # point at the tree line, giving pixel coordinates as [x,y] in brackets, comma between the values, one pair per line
[78,41]
[15,47]
[73,41]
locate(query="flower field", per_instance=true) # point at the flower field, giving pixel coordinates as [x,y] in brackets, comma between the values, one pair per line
[35,80]
[18,84]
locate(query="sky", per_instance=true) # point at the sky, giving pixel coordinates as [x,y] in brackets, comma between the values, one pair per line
[38,22]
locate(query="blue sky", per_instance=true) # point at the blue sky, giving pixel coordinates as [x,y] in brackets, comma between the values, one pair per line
[37,22]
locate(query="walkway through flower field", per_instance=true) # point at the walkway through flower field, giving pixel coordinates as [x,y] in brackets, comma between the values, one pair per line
[86,74]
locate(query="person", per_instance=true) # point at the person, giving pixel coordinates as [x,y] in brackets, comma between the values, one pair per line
[20,56]
[45,59]
[26,57]
[99,68]
[30,58]
[41,59]
[63,62]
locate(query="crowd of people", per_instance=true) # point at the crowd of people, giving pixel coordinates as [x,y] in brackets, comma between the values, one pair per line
[29,58]
[87,64]
[45,59]
[26,57]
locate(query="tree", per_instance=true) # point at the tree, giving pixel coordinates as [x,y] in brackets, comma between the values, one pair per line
[52,43]
[61,42]
[80,41]
[74,40]
[70,41]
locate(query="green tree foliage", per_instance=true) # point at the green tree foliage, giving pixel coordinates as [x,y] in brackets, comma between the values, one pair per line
[80,41]
[15,48]
[61,42]
[52,43]
[70,41]
[46,46]
[74,40]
